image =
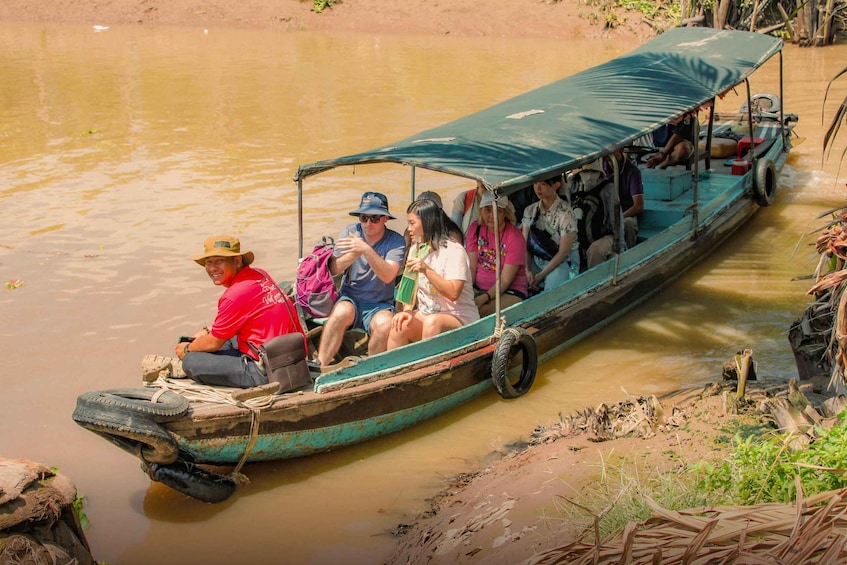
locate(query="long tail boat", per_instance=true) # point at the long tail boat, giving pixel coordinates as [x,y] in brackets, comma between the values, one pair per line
[178,432]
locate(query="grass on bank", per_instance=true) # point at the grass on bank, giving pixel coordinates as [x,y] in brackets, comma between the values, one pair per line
[662,15]
[759,467]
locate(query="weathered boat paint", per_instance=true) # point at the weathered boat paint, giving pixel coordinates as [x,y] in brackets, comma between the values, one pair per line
[288,445]
[385,393]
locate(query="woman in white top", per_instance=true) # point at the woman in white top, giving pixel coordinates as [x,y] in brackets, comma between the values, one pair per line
[444,297]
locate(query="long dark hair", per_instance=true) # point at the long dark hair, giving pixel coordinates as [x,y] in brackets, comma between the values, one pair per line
[432,219]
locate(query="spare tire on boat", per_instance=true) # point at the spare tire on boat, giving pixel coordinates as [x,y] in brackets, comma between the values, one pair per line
[193,480]
[161,406]
[764,182]
[775,104]
[129,418]
[514,338]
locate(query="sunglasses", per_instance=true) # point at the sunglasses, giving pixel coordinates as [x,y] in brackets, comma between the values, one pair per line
[365,218]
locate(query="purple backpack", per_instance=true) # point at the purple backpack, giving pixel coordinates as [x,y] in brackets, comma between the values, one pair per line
[316,292]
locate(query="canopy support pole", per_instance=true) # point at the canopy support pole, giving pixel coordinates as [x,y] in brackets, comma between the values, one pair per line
[412,183]
[300,234]
[495,209]
[786,133]
[750,123]
[709,131]
[617,224]
[695,179]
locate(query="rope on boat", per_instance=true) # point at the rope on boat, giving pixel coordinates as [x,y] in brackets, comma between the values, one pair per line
[499,327]
[198,393]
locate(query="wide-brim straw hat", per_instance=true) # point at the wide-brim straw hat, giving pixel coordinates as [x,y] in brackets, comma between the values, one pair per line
[223,246]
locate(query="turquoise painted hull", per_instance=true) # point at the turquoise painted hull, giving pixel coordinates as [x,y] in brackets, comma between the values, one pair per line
[287,445]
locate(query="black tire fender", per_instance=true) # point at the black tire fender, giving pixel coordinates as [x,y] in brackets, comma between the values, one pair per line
[134,432]
[194,481]
[510,339]
[159,406]
[764,182]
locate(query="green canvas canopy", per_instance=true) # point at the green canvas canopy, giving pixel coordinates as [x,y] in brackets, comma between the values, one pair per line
[575,120]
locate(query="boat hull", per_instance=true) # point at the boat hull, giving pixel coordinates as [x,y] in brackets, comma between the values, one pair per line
[382,396]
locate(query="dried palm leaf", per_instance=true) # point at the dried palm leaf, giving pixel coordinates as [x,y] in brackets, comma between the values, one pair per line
[831,280]
[811,530]
[841,210]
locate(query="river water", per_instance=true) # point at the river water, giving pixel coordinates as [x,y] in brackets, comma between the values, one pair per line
[121,150]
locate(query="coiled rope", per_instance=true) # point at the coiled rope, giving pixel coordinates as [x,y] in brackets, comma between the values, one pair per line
[204,394]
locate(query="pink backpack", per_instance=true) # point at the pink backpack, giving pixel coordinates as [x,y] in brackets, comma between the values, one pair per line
[316,292]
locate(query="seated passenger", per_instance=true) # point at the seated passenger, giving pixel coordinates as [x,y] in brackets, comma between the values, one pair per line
[549,227]
[454,230]
[444,297]
[592,196]
[370,255]
[251,310]
[466,207]
[630,194]
[680,147]
[480,242]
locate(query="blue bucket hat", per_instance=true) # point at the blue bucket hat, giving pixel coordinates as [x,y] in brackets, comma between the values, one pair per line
[373,203]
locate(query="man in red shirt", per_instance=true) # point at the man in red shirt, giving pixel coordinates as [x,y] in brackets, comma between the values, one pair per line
[252,309]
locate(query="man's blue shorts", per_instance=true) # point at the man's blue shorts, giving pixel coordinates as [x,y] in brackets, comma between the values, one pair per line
[366,311]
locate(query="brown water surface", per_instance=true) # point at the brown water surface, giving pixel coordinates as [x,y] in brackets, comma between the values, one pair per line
[120,151]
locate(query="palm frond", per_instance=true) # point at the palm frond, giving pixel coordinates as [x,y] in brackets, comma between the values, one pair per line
[826,92]
[834,126]
[839,209]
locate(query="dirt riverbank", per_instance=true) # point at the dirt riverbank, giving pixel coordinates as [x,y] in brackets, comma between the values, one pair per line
[537,499]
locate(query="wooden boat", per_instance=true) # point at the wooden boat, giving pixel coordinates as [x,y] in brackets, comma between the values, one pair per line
[556,128]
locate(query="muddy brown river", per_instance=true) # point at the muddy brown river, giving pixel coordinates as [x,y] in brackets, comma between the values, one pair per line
[121,150]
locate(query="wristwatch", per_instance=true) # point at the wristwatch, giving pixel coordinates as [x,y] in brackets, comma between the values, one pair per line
[185,349]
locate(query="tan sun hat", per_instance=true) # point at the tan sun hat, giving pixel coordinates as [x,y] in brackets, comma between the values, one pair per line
[502,202]
[223,246]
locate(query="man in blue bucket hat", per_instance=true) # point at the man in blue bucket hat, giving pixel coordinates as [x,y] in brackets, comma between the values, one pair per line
[369,254]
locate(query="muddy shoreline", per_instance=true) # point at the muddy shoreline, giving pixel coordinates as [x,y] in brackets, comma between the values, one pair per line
[499,18]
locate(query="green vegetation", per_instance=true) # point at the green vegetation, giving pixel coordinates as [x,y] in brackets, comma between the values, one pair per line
[766,469]
[621,496]
[662,14]
[77,505]
[320,5]
[80,513]
[651,9]
[760,467]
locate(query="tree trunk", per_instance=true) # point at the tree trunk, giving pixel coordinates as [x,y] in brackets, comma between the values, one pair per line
[755,15]
[720,14]
[789,27]
[826,23]
[811,21]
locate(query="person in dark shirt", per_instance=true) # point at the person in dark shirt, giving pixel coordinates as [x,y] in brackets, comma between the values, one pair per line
[630,193]
[680,147]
